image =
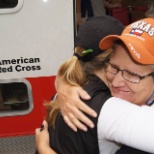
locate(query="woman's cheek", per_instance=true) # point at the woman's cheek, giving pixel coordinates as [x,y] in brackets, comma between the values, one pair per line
[109,77]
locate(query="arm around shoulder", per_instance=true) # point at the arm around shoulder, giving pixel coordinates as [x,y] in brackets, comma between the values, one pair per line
[126,123]
[71,105]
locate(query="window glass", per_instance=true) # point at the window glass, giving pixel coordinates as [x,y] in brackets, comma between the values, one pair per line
[8,4]
[15,99]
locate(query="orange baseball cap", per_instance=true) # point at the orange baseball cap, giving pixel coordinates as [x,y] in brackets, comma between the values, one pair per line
[138,38]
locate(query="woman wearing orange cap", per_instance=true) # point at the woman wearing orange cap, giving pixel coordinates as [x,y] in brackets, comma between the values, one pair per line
[127,82]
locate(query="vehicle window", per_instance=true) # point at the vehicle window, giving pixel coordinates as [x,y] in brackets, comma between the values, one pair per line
[10,6]
[8,3]
[15,98]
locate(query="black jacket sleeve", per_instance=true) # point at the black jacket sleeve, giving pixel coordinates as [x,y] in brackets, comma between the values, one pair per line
[128,150]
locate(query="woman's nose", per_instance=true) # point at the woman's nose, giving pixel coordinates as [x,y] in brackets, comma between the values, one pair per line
[118,80]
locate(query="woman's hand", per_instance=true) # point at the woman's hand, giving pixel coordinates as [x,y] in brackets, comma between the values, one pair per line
[42,140]
[72,107]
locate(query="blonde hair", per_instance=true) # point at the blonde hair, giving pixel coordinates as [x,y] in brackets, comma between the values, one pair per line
[75,72]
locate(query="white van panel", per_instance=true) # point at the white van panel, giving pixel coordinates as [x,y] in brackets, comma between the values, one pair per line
[42,30]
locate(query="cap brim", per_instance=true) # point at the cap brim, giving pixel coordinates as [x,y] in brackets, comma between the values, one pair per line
[138,52]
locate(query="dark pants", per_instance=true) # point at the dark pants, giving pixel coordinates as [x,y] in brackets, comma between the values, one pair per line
[86,8]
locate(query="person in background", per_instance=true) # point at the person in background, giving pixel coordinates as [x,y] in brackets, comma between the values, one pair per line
[86,9]
[130,78]
[100,5]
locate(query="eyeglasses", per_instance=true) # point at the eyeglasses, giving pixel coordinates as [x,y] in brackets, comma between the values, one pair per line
[129,76]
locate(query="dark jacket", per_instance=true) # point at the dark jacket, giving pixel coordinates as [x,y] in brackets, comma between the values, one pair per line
[66,141]
[128,150]
[86,9]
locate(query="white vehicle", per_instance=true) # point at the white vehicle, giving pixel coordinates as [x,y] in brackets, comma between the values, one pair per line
[36,36]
